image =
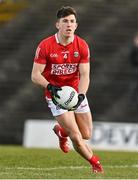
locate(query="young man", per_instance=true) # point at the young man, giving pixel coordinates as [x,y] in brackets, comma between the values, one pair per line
[63,59]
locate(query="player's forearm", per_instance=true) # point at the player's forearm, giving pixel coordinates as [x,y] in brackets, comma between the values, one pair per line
[83,85]
[39,80]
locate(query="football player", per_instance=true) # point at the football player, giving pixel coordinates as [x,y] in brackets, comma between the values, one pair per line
[63,60]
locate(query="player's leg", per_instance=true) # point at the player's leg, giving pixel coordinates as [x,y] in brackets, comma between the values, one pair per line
[84,122]
[59,130]
[85,127]
[84,119]
[63,138]
[68,122]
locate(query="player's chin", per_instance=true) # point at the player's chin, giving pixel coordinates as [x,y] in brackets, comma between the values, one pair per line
[69,34]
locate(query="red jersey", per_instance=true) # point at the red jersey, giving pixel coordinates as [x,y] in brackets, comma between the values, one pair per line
[62,62]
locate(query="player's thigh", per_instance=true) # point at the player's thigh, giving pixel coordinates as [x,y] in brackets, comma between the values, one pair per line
[68,122]
[84,122]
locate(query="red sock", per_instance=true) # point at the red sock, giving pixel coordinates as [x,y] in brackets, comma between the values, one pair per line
[63,133]
[93,160]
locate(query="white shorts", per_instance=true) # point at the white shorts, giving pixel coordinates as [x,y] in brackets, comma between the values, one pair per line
[56,110]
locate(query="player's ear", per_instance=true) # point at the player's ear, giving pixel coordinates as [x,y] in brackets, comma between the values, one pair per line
[57,25]
[76,25]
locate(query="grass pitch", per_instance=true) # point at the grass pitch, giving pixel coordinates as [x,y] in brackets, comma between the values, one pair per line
[21,163]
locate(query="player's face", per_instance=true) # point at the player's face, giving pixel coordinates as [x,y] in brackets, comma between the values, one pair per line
[67,25]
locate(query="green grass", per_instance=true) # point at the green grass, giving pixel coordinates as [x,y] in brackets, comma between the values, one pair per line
[21,163]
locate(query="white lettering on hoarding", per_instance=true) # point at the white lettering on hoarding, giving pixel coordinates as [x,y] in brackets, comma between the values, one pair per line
[106,135]
[113,135]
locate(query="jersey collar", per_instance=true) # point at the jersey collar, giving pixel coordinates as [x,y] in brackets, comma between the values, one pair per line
[56,37]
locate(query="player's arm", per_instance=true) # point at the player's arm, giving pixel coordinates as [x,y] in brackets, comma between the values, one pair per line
[84,70]
[37,70]
[39,79]
[37,76]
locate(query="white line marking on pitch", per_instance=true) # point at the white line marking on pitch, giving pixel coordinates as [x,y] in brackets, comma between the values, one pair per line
[69,167]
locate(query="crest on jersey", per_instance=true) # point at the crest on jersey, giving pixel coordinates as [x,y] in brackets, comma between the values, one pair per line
[76,54]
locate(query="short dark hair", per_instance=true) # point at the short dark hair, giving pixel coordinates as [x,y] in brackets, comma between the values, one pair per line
[66,11]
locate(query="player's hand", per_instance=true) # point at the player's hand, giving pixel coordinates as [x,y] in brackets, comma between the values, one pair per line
[53,90]
[81,97]
[57,104]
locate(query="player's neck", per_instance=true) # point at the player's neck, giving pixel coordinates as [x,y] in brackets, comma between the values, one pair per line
[64,40]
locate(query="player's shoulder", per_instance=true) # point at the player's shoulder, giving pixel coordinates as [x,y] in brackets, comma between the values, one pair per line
[47,40]
[80,40]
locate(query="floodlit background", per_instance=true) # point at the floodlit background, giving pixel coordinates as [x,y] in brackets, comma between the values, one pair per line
[108,27]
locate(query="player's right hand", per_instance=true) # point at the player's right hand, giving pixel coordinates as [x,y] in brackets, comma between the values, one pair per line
[53,90]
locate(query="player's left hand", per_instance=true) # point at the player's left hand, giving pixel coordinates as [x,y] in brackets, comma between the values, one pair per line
[81,97]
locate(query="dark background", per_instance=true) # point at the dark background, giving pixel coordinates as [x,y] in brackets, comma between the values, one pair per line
[107,25]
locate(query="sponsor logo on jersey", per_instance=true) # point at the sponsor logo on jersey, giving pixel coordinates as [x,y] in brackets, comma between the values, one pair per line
[64,69]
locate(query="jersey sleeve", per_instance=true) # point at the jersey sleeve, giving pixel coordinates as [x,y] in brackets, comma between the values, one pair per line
[40,54]
[85,53]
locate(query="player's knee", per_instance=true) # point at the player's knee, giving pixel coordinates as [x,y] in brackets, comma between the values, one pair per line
[76,138]
[87,134]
